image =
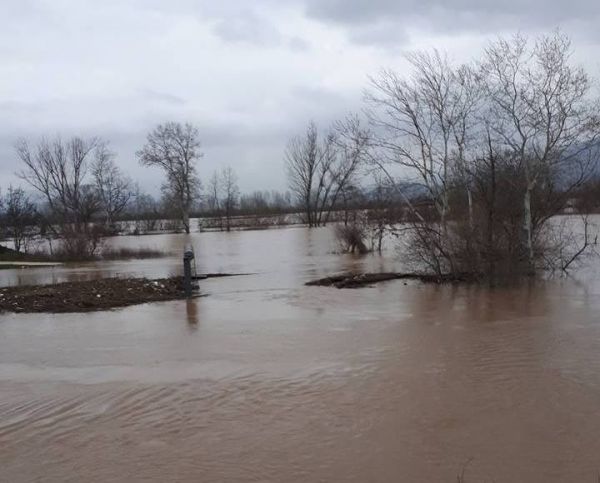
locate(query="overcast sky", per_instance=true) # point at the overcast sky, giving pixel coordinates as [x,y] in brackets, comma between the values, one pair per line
[249,74]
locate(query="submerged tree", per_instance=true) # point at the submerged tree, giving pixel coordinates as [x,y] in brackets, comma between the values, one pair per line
[230,194]
[175,148]
[213,198]
[320,167]
[113,187]
[59,171]
[223,196]
[496,147]
[303,157]
[145,210]
[541,112]
[382,214]
[19,216]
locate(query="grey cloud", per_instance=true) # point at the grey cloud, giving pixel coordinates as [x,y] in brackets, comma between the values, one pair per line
[380,33]
[116,68]
[162,97]
[298,45]
[385,22]
[363,11]
[318,95]
[247,26]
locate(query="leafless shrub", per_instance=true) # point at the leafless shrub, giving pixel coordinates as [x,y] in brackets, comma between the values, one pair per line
[352,237]
[77,244]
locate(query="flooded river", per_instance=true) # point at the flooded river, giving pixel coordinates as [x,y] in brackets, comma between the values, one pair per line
[266,380]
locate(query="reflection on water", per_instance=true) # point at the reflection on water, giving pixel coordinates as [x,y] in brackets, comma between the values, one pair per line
[264,379]
[191,310]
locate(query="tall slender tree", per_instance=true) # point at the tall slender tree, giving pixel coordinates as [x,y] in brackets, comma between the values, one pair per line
[113,187]
[175,148]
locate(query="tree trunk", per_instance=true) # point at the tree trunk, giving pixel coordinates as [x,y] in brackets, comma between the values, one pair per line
[491,215]
[186,220]
[528,226]
[470,200]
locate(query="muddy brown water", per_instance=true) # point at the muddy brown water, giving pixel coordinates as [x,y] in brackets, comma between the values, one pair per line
[268,380]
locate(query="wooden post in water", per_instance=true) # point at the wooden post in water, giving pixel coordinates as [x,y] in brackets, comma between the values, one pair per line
[188,257]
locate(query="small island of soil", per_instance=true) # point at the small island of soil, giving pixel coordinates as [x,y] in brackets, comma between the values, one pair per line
[87,296]
[358,280]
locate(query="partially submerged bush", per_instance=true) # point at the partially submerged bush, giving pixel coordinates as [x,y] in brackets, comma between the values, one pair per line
[352,237]
[498,252]
[80,242]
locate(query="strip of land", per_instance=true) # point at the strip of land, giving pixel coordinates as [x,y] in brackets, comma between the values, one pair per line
[94,295]
[87,296]
[15,259]
[358,280]
[19,264]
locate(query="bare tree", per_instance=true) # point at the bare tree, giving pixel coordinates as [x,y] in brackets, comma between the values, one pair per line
[213,198]
[467,131]
[231,194]
[213,194]
[19,217]
[58,171]
[381,215]
[303,157]
[175,148]
[522,124]
[257,202]
[320,167]
[281,201]
[113,187]
[422,121]
[146,212]
[541,112]
[267,208]
[352,144]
